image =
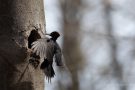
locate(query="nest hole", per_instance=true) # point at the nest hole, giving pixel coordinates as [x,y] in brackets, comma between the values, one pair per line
[34,35]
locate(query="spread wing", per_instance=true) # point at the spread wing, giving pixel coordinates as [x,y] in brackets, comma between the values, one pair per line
[39,47]
[44,47]
[58,55]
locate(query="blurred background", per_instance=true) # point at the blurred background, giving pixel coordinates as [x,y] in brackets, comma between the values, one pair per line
[98,43]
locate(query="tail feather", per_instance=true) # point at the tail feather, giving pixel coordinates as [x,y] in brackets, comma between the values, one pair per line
[46,66]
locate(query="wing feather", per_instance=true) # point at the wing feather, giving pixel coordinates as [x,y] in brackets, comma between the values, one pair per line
[44,48]
[39,47]
[58,55]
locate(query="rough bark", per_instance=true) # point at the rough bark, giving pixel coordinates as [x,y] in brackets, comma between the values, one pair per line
[17,19]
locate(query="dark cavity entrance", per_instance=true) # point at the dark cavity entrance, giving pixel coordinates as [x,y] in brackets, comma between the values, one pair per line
[34,35]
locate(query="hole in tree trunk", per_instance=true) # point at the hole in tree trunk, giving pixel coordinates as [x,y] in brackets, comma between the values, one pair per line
[34,35]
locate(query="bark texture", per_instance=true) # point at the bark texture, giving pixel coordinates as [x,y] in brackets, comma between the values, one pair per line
[17,19]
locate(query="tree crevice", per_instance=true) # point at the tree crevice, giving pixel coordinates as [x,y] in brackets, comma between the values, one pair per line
[34,35]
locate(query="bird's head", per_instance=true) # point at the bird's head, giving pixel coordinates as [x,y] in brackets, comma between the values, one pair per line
[54,35]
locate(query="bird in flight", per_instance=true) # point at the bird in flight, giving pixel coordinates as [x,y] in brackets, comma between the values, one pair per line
[47,49]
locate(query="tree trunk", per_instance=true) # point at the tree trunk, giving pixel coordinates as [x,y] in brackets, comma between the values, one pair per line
[71,46]
[17,19]
[116,66]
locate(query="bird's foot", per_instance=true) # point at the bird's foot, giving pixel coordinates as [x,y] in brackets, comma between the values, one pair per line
[34,62]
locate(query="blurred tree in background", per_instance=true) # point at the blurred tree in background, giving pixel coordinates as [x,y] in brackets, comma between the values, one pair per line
[112,40]
[71,43]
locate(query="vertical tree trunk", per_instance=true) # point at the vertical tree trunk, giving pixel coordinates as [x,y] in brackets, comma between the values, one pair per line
[117,68]
[71,27]
[17,19]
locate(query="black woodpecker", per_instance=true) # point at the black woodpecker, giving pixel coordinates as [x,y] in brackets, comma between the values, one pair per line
[46,49]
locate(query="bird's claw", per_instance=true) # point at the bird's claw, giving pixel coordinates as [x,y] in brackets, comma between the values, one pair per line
[34,62]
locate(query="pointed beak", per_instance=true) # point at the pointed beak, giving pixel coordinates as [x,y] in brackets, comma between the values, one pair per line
[47,34]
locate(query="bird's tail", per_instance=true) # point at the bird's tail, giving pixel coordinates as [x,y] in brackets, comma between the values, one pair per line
[46,66]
